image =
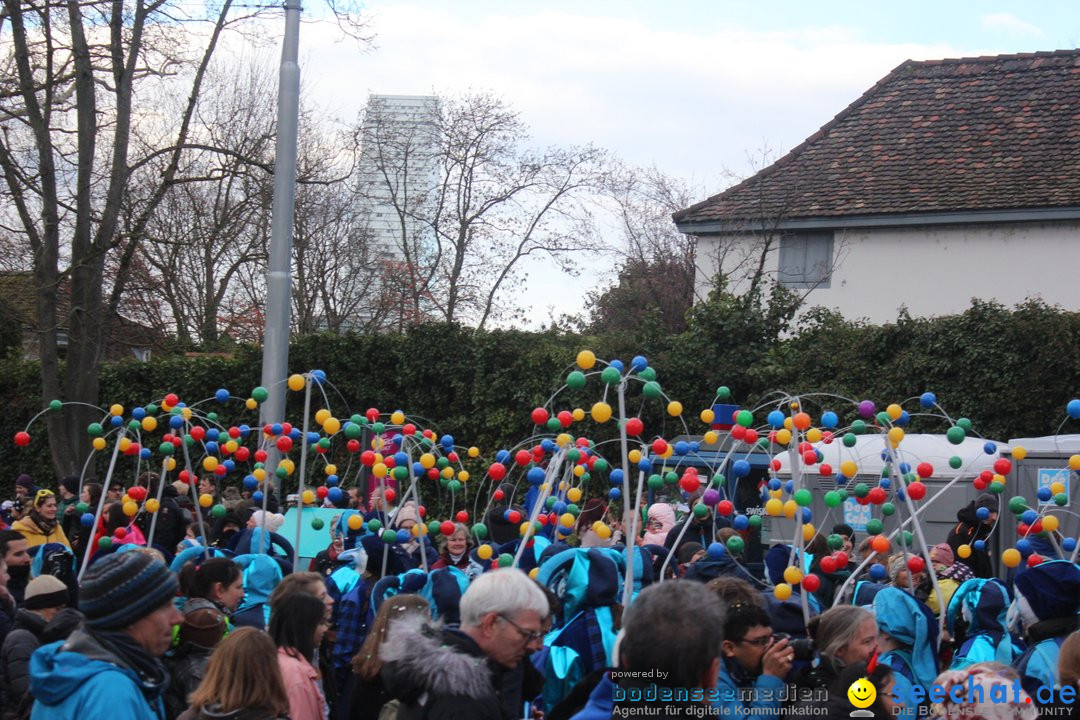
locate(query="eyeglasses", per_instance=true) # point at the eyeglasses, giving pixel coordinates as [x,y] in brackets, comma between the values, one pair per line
[760,642]
[529,636]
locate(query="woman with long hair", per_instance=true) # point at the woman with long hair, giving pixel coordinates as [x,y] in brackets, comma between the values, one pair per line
[297,625]
[242,681]
[216,583]
[41,525]
[368,694]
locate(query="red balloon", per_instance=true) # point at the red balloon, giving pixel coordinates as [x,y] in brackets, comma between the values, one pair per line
[447,528]
[725,507]
[659,446]
[1002,466]
[841,559]
[171,399]
[120,533]
[22,439]
[539,416]
[825,469]
[877,495]
[565,418]
[284,443]
[408,429]
[827,437]
[690,483]
[916,564]
[515,517]
[390,495]
[353,446]
[980,484]
[1023,529]
[805,447]
[542,519]
[916,490]
[198,433]
[986,476]
[371,414]
[828,565]
[497,471]
[1034,559]
[738,432]
[634,426]
[260,456]
[433,473]
[321,492]
[1036,527]
[499,495]
[133,449]
[811,582]
[775,464]
[809,457]
[286,427]
[184,476]
[220,470]
[242,454]
[925,469]
[421,511]
[462,516]
[389,461]
[750,436]
[452,457]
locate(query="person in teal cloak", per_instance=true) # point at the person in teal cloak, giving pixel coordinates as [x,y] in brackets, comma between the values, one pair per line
[1046,604]
[908,642]
[977,613]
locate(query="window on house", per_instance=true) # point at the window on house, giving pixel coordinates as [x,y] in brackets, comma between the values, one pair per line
[806,259]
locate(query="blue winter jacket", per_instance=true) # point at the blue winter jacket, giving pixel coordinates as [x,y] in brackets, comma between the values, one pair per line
[760,697]
[79,678]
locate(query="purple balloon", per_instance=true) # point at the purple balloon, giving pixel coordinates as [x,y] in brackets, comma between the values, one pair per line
[866,409]
[710,497]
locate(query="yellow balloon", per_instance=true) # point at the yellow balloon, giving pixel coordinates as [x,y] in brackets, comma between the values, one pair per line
[849,469]
[231,446]
[210,463]
[534,573]
[152,505]
[601,412]
[289,465]
[447,472]
[789,424]
[674,408]
[427,461]
[1050,523]
[330,469]
[355,522]
[634,456]
[998,479]
[259,473]
[789,509]
[331,426]
[586,359]
[99,443]
[206,500]
[170,464]
[1057,487]
[322,416]
[149,423]
[563,439]
[126,498]
[894,411]
[602,530]
[567,520]
[783,436]
[1019,452]
[578,414]
[774,507]
[117,409]
[574,495]
[579,470]
[463,475]
[484,552]
[523,528]
[813,435]
[792,575]
[711,437]
[707,416]
[474,452]
[308,497]
[397,418]
[964,551]
[808,532]
[378,470]
[131,508]
[251,404]
[1011,557]
[185,413]
[124,443]
[1074,462]
[782,592]
[896,435]
[296,382]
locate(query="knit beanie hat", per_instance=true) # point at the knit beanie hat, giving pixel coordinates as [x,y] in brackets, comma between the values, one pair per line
[71,484]
[25,481]
[203,627]
[1052,589]
[688,551]
[45,591]
[123,588]
[986,500]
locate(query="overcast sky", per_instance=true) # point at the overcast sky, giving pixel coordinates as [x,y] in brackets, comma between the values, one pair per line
[693,87]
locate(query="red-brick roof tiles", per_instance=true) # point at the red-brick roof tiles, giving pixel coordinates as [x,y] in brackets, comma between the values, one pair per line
[988,133]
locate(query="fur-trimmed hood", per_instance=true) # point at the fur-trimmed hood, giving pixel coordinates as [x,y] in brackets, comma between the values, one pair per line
[421,658]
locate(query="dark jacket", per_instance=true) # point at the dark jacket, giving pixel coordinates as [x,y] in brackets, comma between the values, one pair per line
[186,666]
[366,699]
[28,634]
[211,712]
[171,526]
[440,674]
[967,530]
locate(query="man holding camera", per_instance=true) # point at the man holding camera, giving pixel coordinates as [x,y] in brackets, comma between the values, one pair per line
[754,664]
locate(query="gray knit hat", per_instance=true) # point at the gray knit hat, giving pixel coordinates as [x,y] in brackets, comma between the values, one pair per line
[122,588]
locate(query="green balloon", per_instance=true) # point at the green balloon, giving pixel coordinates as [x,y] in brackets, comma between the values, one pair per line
[874,526]
[82,507]
[281,473]
[573,509]
[553,424]
[400,473]
[858,427]
[862,490]
[723,393]
[888,509]
[324,443]
[648,373]
[956,434]
[506,560]
[374,525]
[651,389]
[455,486]
[105,543]
[433,527]
[735,544]
[1061,499]
[352,430]
[803,497]
[718,480]
[55,404]
[575,380]
[1018,504]
[151,409]
[317,523]
[955,462]
[549,503]
[836,542]
[389,536]
[849,440]
[744,418]
[610,375]
[573,455]
[442,462]
[908,538]
[378,427]
[832,499]
[166,448]
[213,416]
[260,394]
[670,477]
[600,465]
[701,510]
[755,522]
[655,482]
[997,487]
[480,530]
[964,423]
[93,429]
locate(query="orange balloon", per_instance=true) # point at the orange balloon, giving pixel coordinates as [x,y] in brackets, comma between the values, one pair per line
[801,420]
[880,544]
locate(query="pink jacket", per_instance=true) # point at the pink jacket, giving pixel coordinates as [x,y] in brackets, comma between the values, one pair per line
[302,685]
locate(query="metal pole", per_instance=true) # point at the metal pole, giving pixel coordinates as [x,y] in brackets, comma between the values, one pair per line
[278,279]
[303,470]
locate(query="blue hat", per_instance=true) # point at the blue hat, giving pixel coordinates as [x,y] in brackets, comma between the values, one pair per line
[124,588]
[1052,589]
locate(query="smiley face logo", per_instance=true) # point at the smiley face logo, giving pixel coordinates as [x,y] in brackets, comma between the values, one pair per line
[862,693]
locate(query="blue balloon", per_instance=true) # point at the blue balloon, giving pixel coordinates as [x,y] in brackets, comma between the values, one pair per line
[1024,546]
[1045,494]
[682,447]
[740,468]
[979,545]
[334,494]
[401,458]
[904,419]
[536,476]
[418,469]
[1073,408]
[87,519]
[318,376]
[617,476]
[807,515]
[645,465]
[296,434]
[639,363]
[116,421]
[276,429]
[257,497]
[403,536]
[615,493]
[250,482]
[829,419]
[1029,516]
[774,483]
[548,445]
[1068,544]
[928,399]
[990,447]
[447,441]
[138,413]
[695,446]
[176,422]
[229,465]
[212,447]
[332,480]
[559,507]
[904,468]
[144,453]
[885,483]
[618,365]
[878,572]
[741,522]
[222,395]
[716,551]
[503,456]
[245,430]
[213,434]
[775,419]
[982,513]
[789,486]
[312,438]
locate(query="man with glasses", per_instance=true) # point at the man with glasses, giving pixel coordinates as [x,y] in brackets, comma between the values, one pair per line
[474,670]
[754,663]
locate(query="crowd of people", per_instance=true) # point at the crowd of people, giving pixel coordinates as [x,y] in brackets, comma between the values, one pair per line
[201,615]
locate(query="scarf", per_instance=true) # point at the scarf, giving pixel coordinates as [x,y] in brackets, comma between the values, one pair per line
[151,671]
[47,527]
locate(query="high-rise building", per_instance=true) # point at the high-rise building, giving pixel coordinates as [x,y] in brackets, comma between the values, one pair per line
[399,173]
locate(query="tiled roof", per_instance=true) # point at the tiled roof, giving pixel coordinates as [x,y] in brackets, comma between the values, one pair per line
[973,134]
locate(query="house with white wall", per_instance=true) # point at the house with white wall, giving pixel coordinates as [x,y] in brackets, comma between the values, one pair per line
[947,180]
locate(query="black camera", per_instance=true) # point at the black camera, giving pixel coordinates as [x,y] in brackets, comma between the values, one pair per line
[802,648]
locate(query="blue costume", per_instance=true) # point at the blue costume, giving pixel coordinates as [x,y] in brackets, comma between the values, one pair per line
[982,605]
[910,622]
[1052,592]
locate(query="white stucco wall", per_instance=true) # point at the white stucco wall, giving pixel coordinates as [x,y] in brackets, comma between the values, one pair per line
[931,271]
